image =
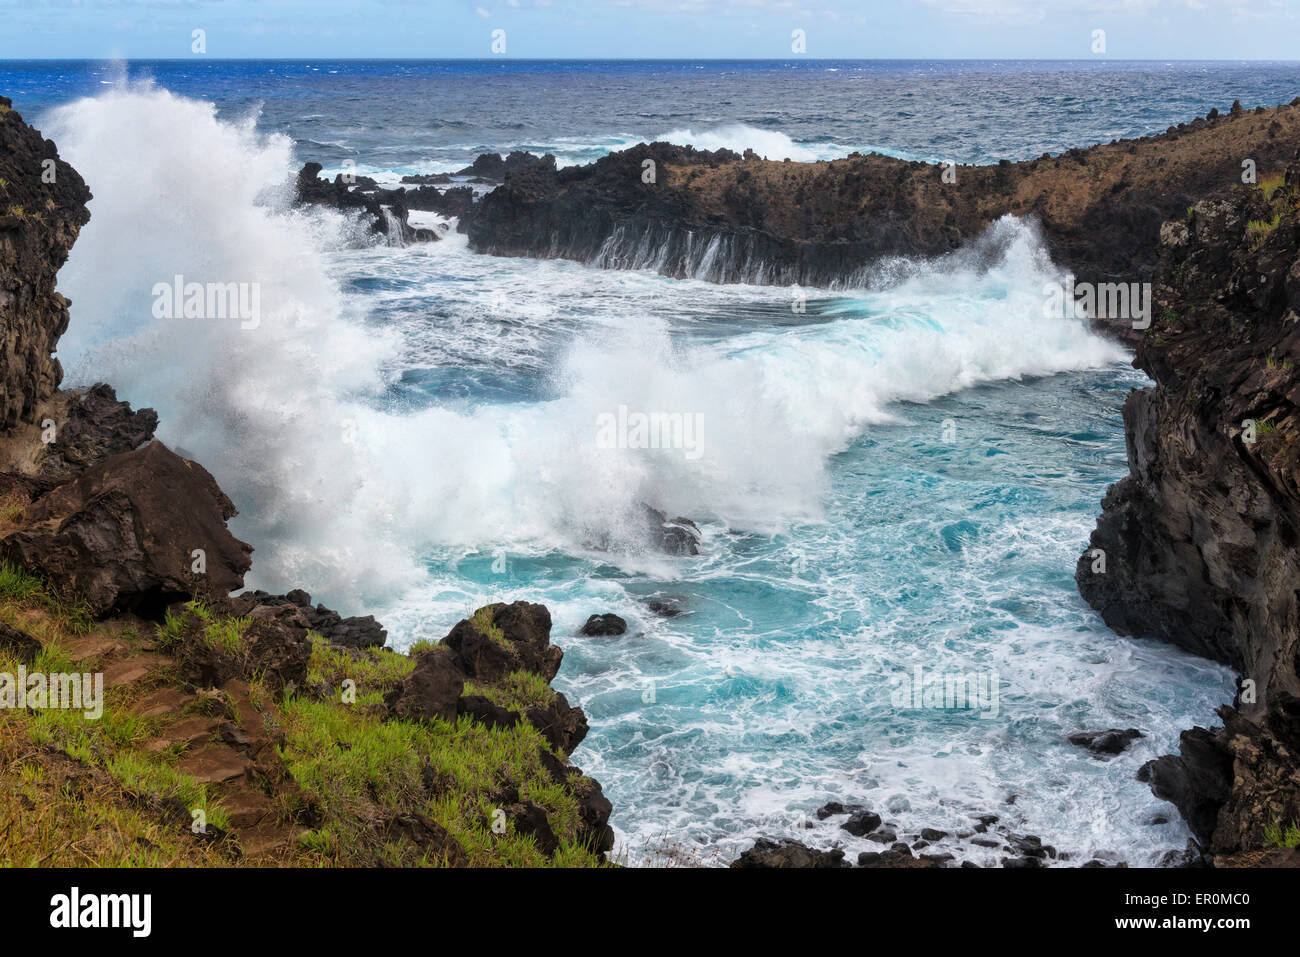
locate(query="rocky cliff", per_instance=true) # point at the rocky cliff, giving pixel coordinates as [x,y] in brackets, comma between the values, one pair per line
[725,217]
[42,208]
[1200,544]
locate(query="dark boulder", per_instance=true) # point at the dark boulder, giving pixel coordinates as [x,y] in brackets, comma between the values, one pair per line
[487,712]
[502,638]
[786,853]
[18,644]
[359,631]
[95,425]
[1105,742]
[278,648]
[678,536]
[562,726]
[601,626]
[861,823]
[530,820]
[432,690]
[124,535]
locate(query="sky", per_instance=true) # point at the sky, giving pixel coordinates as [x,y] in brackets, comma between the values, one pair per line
[686,29]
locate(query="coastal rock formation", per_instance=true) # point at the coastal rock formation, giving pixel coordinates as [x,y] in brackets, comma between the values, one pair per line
[725,217]
[42,209]
[358,631]
[1200,544]
[139,531]
[491,168]
[108,539]
[384,215]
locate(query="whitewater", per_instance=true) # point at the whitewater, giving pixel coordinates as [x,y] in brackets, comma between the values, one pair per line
[902,475]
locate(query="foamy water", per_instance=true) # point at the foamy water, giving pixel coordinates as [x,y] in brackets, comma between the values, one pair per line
[902,475]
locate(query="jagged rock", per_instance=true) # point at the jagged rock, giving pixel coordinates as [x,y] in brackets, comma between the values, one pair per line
[124,533]
[426,179]
[594,810]
[897,857]
[1199,544]
[311,189]
[1105,742]
[600,626]
[359,631]
[39,221]
[786,853]
[427,834]
[564,727]
[833,808]
[493,169]
[96,425]
[278,648]
[678,536]
[503,638]
[485,711]
[431,690]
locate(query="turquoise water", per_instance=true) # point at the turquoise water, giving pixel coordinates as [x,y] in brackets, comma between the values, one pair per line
[898,476]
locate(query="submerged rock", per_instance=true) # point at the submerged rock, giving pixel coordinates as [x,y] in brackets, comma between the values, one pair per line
[1105,742]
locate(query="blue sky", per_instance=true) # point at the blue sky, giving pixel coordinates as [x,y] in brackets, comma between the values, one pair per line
[1135,29]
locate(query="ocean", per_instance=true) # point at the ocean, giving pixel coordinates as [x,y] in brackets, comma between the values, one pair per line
[899,477]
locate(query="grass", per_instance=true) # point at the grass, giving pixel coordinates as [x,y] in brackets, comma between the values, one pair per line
[77,792]
[1271,184]
[1258,230]
[20,589]
[225,635]
[485,621]
[1277,836]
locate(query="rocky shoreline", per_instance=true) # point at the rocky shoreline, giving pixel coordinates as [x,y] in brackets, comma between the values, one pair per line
[1198,546]
[231,724]
[726,217]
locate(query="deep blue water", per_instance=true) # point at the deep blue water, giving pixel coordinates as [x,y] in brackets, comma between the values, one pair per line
[411,115]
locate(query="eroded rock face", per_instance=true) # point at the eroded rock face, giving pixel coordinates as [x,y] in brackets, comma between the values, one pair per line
[1200,544]
[725,217]
[42,209]
[95,425]
[123,535]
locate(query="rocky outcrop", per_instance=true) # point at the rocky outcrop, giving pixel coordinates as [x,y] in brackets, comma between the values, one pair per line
[725,217]
[492,168]
[92,425]
[42,209]
[382,215]
[603,626]
[1200,544]
[358,631]
[139,531]
[768,854]
[493,645]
